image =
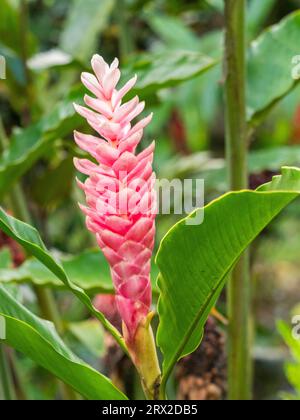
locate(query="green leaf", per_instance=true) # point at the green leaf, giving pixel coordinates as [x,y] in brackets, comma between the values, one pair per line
[173,32]
[10,28]
[216,4]
[29,144]
[258,12]
[90,334]
[14,67]
[271,159]
[270,66]
[293,344]
[29,238]
[88,270]
[293,374]
[194,260]
[292,369]
[166,69]
[269,61]
[11,45]
[39,340]
[203,165]
[87,18]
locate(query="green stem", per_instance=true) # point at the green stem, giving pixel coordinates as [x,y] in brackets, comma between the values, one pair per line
[162,391]
[5,375]
[18,204]
[125,39]
[17,375]
[239,294]
[23,23]
[142,351]
[49,308]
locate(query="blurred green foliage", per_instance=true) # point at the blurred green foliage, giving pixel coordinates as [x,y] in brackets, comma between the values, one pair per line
[175,47]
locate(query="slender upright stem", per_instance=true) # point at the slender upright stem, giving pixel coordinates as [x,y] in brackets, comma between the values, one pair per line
[125,39]
[24,37]
[142,351]
[48,307]
[6,376]
[239,294]
[23,23]
[17,375]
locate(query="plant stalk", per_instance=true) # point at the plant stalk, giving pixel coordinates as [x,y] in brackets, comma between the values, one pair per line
[125,38]
[143,354]
[239,290]
[23,23]
[6,376]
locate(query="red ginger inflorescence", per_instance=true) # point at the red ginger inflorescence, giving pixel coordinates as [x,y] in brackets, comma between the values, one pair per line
[119,189]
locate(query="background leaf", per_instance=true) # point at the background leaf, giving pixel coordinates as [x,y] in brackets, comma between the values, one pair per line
[88,270]
[29,144]
[166,69]
[292,369]
[10,30]
[258,12]
[270,65]
[90,334]
[87,18]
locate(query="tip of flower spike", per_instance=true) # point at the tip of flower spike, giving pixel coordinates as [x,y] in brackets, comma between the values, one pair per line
[98,58]
[114,64]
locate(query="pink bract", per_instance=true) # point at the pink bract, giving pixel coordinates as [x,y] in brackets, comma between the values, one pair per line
[119,189]
[107,305]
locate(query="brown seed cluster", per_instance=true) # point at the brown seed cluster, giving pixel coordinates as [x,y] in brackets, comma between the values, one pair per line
[202,374]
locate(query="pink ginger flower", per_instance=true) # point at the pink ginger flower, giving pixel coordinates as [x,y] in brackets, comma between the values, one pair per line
[119,190]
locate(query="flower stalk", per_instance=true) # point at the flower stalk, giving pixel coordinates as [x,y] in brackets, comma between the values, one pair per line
[142,350]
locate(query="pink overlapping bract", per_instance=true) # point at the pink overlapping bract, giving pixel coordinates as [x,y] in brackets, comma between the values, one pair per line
[119,190]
